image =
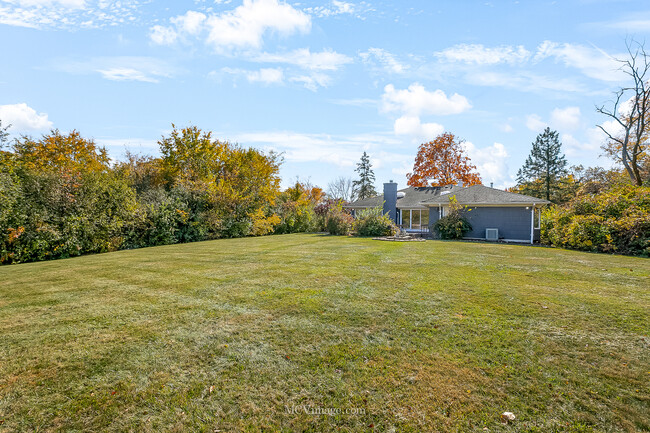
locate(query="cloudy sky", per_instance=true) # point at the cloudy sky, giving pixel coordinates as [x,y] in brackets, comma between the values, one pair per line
[321,81]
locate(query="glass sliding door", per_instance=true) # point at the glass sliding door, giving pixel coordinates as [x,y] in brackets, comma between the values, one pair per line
[415,219]
[424,219]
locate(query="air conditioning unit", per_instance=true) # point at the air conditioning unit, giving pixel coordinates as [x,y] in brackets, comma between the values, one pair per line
[492,234]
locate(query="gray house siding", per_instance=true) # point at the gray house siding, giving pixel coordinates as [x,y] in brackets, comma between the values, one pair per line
[434,215]
[513,222]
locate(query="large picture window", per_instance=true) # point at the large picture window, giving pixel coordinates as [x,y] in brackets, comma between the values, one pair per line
[415,219]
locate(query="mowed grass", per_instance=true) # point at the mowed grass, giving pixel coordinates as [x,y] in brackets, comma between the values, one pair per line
[261,334]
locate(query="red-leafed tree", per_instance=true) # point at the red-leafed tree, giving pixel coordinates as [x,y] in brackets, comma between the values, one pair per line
[443,162]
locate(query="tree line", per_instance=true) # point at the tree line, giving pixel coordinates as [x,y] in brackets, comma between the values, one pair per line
[60,195]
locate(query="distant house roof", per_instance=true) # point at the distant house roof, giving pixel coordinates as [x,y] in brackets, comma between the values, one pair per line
[419,197]
[483,195]
[412,197]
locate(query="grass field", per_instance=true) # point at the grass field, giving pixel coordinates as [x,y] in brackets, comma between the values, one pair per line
[262,334]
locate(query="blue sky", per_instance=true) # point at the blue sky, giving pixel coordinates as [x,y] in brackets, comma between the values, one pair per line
[320,81]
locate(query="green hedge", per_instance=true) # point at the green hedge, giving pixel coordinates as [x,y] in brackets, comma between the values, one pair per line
[614,221]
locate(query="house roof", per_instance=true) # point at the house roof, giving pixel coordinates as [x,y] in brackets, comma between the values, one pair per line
[413,197]
[418,197]
[479,194]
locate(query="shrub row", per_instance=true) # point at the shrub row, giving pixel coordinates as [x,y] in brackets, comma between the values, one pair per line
[368,222]
[613,221]
[60,196]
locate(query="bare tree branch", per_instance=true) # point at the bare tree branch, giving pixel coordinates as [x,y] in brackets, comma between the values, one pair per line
[631,112]
[341,189]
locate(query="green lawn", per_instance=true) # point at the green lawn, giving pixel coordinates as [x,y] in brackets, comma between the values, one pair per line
[233,335]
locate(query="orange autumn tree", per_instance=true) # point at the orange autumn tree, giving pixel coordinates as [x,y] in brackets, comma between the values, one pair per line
[442,162]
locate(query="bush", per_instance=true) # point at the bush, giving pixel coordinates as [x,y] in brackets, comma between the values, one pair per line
[616,220]
[64,213]
[339,222]
[453,225]
[371,222]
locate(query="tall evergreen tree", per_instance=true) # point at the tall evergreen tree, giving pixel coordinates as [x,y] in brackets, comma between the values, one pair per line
[544,167]
[365,186]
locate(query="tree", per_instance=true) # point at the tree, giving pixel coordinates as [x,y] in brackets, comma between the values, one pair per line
[191,154]
[443,162]
[365,186]
[4,135]
[341,188]
[544,167]
[231,187]
[55,151]
[630,114]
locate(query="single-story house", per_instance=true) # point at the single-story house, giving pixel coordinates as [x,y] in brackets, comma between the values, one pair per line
[493,213]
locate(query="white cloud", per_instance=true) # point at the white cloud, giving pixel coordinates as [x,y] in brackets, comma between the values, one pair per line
[312,66]
[413,127]
[304,67]
[356,102]
[481,55]
[74,4]
[562,119]
[535,123]
[416,100]
[491,163]
[566,118]
[611,126]
[524,81]
[126,74]
[163,35]
[264,75]
[341,151]
[240,28]
[337,7]
[384,59]
[23,118]
[594,139]
[241,32]
[326,60]
[593,62]
[313,81]
[634,25]
[123,68]
[190,23]
[68,14]
[343,7]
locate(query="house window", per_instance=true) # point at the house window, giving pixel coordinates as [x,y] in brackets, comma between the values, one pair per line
[537,218]
[406,218]
[424,219]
